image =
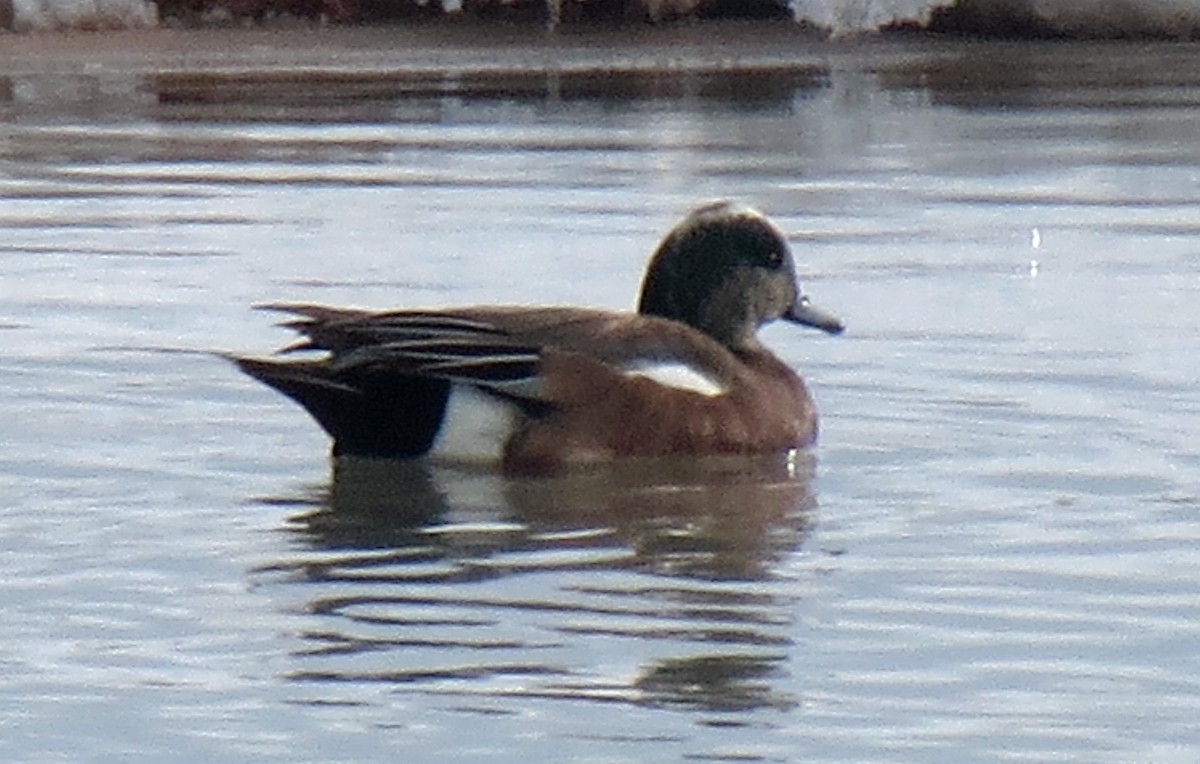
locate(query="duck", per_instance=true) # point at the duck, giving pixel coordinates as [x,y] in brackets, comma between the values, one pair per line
[686,375]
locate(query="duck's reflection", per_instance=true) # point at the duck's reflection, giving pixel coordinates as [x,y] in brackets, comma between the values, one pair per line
[372,505]
[716,683]
[428,575]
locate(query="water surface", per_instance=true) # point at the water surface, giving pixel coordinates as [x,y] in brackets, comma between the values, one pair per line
[992,556]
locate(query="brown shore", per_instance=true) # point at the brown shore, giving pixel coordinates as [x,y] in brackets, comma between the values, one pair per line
[426,49]
[292,58]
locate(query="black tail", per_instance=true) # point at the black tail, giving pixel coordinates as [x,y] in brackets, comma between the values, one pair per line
[377,415]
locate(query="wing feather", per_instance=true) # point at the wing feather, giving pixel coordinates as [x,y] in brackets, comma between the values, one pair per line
[500,350]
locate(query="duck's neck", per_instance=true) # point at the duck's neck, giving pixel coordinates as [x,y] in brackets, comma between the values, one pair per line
[723,314]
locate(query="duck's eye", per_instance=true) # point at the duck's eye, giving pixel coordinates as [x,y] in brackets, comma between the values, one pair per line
[774,259]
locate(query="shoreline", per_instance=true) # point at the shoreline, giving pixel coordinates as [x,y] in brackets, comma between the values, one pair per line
[416,49]
[464,55]
[425,50]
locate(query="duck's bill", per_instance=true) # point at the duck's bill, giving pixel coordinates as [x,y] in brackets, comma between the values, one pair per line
[804,312]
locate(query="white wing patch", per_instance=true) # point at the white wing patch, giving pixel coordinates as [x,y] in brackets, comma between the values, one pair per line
[677,375]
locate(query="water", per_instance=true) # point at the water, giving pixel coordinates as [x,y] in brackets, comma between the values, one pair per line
[992,556]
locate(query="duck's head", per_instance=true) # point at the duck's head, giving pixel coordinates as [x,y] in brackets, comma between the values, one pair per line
[727,270]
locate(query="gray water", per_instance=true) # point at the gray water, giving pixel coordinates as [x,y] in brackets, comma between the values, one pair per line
[991,556]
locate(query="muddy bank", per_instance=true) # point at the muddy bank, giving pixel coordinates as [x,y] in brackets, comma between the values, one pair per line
[304,61]
[442,48]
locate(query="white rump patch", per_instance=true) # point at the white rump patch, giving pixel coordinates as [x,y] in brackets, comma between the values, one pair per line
[678,375]
[475,428]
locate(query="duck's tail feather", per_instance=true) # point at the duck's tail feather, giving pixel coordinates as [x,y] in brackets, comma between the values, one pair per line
[366,413]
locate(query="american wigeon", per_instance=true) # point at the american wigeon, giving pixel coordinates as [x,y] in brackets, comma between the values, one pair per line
[578,384]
